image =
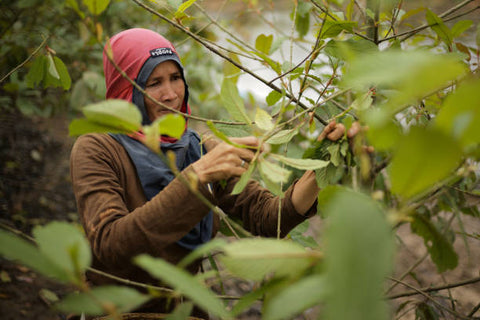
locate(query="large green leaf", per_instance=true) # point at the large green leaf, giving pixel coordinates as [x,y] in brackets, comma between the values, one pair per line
[64,76]
[302,164]
[36,73]
[123,299]
[256,258]
[232,101]
[295,298]
[15,248]
[185,283]
[422,159]
[358,257]
[411,75]
[283,136]
[244,179]
[274,172]
[439,27]
[460,114]
[96,6]
[115,113]
[172,125]
[82,126]
[333,28]
[263,120]
[440,249]
[71,254]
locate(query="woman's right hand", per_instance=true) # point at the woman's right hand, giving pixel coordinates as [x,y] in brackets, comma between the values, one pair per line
[224,161]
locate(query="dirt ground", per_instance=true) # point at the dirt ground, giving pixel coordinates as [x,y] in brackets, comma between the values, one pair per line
[35,189]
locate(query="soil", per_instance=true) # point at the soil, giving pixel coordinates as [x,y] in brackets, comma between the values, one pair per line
[35,189]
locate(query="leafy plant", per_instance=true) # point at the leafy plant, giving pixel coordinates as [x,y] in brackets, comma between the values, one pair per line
[406,72]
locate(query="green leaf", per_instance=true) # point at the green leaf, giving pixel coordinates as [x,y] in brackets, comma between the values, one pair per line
[74,5]
[15,248]
[115,113]
[184,283]
[230,70]
[302,20]
[411,75]
[72,254]
[295,298]
[253,296]
[181,312]
[283,136]
[199,252]
[263,120]
[274,172]
[274,187]
[223,137]
[256,258]
[460,27]
[244,179]
[356,225]
[335,156]
[172,125]
[184,6]
[232,101]
[52,69]
[83,126]
[62,71]
[333,28]
[263,43]
[302,164]
[460,114]
[423,158]
[441,250]
[96,6]
[439,27]
[124,299]
[273,97]
[37,71]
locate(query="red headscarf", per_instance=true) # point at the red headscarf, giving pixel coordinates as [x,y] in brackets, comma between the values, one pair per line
[137,52]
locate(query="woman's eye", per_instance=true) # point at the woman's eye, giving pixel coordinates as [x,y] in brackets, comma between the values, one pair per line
[153,84]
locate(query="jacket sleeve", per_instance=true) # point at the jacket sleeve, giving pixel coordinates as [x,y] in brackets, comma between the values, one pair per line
[258,208]
[118,222]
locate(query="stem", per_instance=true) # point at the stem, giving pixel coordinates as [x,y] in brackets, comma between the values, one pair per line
[424,293]
[26,60]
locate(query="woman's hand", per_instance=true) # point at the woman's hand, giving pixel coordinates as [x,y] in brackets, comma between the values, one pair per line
[224,161]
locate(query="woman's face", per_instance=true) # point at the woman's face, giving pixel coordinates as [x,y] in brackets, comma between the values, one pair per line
[166,85]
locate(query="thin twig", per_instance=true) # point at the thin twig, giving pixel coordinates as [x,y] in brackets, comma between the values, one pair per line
[426,295]
[26,60]
[430,289]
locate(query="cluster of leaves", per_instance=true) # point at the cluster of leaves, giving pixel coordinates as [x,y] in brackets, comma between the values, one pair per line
[416,90]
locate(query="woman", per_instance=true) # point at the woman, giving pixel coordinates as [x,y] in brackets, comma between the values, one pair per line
[129,201]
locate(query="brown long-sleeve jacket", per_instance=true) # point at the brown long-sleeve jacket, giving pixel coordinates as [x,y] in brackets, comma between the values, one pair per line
[120,224]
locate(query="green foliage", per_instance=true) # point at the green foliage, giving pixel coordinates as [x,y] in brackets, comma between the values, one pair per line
[440,248]
[354,277]
[118,298]
[422,159]
[64,260]
[256,258]
[184,283]
[415,88]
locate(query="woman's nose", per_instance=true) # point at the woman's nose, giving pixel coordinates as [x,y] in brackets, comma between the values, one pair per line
[168,93]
